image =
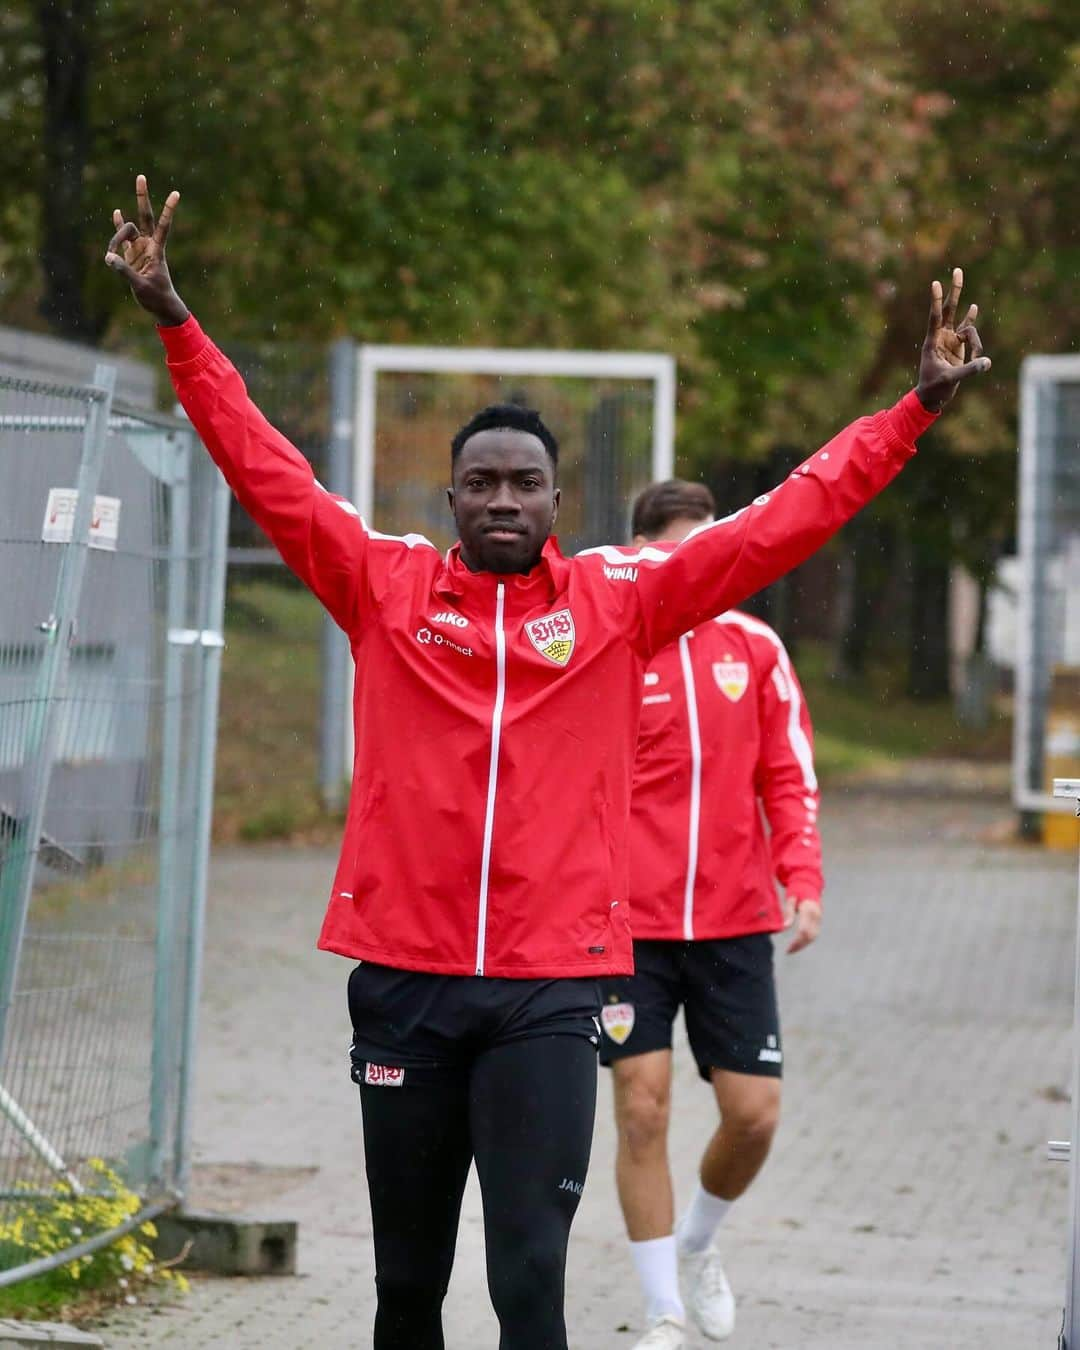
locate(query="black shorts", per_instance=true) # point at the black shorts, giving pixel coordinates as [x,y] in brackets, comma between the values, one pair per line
[728,995]
[411,1026]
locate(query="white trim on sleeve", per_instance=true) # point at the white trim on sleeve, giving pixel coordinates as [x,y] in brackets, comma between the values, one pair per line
[646,553]
[409,540]
[800,745]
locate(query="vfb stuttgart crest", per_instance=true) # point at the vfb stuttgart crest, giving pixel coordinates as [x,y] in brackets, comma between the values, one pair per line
[618,1020]
[553,636]
[732,678]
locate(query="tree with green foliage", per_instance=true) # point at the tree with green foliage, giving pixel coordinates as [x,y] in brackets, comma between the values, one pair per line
[762,191]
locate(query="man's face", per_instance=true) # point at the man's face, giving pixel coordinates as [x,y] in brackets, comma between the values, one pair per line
[504,500]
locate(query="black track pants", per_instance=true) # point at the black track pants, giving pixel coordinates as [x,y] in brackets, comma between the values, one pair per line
[524,1110]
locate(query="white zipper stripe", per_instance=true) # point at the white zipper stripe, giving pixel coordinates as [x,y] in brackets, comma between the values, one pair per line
[695,788]
[493,774]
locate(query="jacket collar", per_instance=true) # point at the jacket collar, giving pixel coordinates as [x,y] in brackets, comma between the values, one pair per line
[546,580]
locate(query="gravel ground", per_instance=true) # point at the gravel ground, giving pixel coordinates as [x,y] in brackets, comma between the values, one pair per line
[908,1203]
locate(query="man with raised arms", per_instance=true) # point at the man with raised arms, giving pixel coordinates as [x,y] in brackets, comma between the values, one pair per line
[483,872]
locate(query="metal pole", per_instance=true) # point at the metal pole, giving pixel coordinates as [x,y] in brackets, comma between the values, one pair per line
[334,710]
[37,1141]
[1070,1336]
[163,1052]
[17,874]
[211,644]
[663,443]
[363,496]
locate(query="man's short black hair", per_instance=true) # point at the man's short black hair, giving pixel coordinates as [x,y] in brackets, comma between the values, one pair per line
[506,417]
[675,499]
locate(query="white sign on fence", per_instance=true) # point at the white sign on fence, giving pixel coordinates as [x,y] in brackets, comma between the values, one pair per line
[60,517]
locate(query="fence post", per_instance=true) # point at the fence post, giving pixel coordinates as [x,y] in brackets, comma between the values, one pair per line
[333,767]
[17,874]
[1070,1333]
[163,1049]
[212,616]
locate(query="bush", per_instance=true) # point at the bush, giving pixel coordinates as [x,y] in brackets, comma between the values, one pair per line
[42,1226]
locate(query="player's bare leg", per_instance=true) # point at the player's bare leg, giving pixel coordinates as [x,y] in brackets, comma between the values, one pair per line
[749,1112]
[643,1177]
[642,1174]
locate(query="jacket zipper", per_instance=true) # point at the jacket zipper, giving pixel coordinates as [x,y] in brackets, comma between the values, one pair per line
[695,787]
[493,774]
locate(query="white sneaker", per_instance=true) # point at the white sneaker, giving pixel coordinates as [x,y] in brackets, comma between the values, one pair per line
[666,1334]
[707,1293]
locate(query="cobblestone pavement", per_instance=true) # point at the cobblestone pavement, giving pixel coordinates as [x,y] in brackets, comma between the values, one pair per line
[908,1204]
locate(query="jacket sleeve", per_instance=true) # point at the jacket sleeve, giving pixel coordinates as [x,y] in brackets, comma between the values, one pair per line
[320,536]
[724,562]
[785,780]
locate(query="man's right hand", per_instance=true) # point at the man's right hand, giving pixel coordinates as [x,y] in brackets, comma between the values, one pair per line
[137,252]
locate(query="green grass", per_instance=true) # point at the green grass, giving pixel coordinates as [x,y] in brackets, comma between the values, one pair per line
[268,739]
[867,725]
[269,733]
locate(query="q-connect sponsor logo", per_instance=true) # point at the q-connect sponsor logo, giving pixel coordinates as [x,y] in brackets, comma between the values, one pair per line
[626,573]
[447,616]
[429,639]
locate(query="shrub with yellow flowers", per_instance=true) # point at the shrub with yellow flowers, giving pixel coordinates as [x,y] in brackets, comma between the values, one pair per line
[37,1226]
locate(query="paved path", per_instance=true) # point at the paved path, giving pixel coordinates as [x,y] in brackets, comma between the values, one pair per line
[908,1204]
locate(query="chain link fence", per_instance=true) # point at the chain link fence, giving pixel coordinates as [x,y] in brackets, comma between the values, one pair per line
[112,545]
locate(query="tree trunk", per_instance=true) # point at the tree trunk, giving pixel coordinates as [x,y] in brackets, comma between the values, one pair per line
[928,664]
[864,582]
[65,27]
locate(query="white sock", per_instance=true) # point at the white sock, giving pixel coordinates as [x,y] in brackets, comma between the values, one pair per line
[657,1266]
[703,1217]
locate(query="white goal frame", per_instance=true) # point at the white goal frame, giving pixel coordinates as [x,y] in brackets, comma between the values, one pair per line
[373,359]
[1036,374]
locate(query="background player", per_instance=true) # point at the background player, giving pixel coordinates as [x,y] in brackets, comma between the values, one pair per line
[725,739]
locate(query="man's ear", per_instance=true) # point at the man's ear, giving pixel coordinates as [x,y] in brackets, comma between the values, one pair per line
[450,500]
[556,498]
[639,539]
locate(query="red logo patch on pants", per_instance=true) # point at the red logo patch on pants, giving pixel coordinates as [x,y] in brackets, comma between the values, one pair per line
[382,1075]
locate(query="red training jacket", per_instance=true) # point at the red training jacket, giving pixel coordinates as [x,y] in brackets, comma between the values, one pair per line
[496,715]
[725,738]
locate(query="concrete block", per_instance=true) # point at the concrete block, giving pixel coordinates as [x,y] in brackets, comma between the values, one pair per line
[15,1335]
[227,1244]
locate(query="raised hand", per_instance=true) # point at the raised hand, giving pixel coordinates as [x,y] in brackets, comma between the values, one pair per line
[137,252]
[949,354]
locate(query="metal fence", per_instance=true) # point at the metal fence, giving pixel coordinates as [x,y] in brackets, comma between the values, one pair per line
[113,529]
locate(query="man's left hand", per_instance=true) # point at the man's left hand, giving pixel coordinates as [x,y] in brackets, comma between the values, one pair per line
[805,916]
[947,348]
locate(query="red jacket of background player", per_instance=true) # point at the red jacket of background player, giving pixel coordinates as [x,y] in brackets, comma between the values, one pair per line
[725,745]
[496,715]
